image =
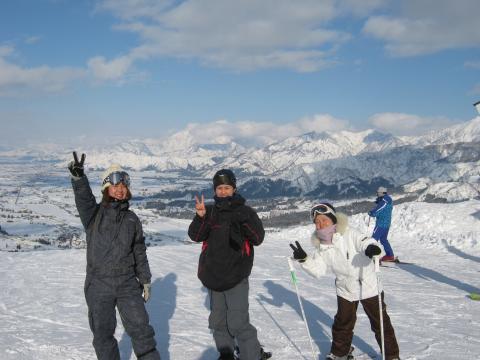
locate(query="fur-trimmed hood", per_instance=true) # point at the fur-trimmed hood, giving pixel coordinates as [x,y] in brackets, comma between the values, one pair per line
[342,226]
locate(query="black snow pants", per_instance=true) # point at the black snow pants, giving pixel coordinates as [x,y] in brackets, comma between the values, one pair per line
[125,293]
[344,322]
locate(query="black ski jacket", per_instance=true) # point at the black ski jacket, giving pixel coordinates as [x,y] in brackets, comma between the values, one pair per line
[228,231]
[115,242]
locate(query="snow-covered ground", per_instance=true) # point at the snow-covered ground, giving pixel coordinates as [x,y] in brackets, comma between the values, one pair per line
[43,313]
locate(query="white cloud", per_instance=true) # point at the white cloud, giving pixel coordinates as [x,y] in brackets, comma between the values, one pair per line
[361,7]
[16,80]
[258,133]
[322,122]
[423,27]
[239,35]
[127,9]
[472,64]
[407,124]
[114,70]
[6,50]
[32,39]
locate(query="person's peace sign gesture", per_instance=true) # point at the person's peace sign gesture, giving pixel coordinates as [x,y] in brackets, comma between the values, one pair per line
[200,206]
[76,167]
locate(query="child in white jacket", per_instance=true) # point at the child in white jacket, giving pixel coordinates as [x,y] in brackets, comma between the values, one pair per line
[348,254]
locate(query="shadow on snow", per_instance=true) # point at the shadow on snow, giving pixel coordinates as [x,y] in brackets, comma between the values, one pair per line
[429,274]
[462,254]
[160,308]
[318,320]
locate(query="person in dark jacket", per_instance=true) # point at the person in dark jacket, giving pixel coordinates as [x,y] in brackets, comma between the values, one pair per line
[229,230]
[118,274]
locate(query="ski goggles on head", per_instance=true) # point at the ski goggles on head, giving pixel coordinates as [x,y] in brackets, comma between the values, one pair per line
[118,177]
[321,209]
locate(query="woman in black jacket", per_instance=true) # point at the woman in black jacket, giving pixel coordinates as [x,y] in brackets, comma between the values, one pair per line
[228,230]
[118,273]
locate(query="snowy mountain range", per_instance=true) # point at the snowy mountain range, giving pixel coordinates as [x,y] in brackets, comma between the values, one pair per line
[330,164]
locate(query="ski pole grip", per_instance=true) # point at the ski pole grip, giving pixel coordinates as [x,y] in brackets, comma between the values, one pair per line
[290,264]
[376,260]
[292,270]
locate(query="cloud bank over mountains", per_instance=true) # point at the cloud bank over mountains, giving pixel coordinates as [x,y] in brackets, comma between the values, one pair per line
[250,133]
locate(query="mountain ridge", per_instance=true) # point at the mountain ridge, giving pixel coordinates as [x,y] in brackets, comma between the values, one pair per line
[303,164]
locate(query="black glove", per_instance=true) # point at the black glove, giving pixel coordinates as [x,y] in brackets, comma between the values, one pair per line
[76,167]
[372,250]
[298,253]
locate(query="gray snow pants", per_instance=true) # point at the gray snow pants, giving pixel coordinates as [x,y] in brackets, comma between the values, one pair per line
[125,293]
[229,320]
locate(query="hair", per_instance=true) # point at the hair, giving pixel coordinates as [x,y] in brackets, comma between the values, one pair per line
[332,217]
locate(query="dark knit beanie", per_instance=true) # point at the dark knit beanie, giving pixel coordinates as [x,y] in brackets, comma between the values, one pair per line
[224,177]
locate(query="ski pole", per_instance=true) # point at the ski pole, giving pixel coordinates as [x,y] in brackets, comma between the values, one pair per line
[377,271]
[294,280]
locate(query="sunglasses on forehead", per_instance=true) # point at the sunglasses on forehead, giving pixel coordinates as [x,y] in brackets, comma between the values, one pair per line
[320,209]
[224,178]
[118,177]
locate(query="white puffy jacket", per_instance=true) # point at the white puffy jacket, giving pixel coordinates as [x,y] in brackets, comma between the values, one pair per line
[345,257]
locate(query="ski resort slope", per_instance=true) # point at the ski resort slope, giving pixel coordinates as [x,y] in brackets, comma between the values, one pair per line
[43,313]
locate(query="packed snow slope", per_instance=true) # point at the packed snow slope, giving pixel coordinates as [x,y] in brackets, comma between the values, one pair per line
[43,313]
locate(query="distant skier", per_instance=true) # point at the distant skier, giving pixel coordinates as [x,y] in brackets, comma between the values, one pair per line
[348,254]
[228,229]
[383,213]
[118,273]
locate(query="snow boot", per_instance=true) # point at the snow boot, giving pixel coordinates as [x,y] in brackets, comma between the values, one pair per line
[265,354]
[335,357]
[387,258]
[227,356]
[349,356]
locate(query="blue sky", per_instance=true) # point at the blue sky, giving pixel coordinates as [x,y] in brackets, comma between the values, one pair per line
[145,68]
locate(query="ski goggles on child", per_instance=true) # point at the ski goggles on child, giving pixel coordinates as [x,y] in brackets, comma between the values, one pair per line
[321,209]
[118,177]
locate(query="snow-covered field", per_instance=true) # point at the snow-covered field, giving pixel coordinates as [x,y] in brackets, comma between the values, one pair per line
[43,313]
